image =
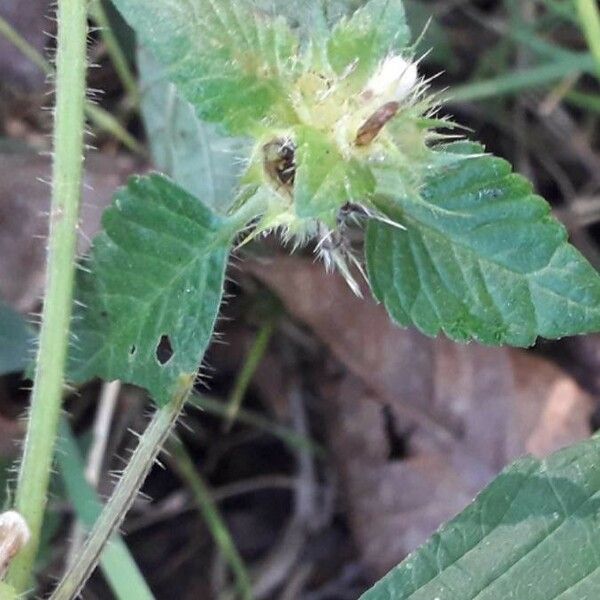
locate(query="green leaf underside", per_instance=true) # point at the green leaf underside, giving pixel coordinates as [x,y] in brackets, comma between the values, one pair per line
[324,180]
[482,258]
[195,154]
[157,270]
[16,341]
[362,41]
[530,535]
[231,62]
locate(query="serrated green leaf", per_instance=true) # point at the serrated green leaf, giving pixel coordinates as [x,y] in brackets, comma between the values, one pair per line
[16,341]
[482,258]
[324,180]
[195,154]
[156,272]
[532,534]
[362,41]
[232,63]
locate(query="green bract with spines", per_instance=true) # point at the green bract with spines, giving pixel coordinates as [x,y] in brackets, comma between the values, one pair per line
[233,64]
[359,43]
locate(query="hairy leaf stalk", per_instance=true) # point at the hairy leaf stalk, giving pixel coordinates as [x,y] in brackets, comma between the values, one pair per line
[124,494]
[46,398]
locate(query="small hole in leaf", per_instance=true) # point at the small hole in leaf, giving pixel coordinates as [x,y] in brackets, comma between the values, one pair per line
[132,351]
[164,350]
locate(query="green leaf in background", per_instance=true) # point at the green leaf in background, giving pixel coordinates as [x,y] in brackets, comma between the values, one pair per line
[16,341]
[530,535]
[149,303]
[367,37]
[195,154]
[482,257]
[232,63]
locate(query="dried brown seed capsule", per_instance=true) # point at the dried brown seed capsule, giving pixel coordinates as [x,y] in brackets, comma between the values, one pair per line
[279,159]
[368,131]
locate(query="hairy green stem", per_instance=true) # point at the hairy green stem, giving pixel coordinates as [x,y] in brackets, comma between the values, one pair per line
[124,494]
[46,399]
[97,115]
[120,569]
[589,17]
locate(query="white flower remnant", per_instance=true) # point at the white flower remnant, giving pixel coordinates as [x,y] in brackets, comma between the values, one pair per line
[396,79]
[14,534]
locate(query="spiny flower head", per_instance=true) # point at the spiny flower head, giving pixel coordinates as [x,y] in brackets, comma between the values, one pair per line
[325,169]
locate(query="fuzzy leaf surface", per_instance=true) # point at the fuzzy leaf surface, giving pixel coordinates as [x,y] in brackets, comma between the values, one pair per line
[531,534]
[195,154]
[482,257]
[324,180]
[230,61]
[156,271]
[363,40]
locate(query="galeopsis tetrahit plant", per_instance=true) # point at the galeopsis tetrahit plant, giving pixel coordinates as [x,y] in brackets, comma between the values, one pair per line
[343,129]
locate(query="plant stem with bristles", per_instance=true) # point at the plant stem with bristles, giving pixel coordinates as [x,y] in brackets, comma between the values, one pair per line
[46,399]
[124,494]
[102,119]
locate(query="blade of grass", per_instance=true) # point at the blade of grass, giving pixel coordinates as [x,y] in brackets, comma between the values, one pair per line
[246,373]
[119,567]
[183,464]
[46,398]
[97,115]
[523,79]
[589,102]
[21,44]
[291,438]
[589,18]
[106,122]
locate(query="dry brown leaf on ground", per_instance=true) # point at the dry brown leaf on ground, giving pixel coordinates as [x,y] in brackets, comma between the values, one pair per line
[418,426]
[23,217]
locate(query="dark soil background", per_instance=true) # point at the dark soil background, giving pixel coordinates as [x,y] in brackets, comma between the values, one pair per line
[398,432]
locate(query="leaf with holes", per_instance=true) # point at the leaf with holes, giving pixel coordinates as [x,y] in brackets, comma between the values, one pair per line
[482,258]
[359,43]
[531,534]
[231,62]
[148,305]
